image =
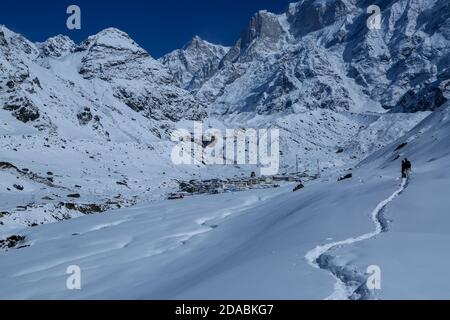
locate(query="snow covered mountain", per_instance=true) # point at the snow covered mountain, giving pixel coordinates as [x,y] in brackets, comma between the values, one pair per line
[91,120]
[85,129]
[107,105]
[321,54]
[195,63]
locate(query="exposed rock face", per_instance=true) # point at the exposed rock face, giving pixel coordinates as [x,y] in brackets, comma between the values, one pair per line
[408,54]
[195,63]
[26,113]
[306,17]
[23,109]
[13,44]
[57,47]
[113,54]
[270,70]
[137,79]
[264,33]
[321,54]
[429,97]
[16,82]
[38,87]
[85,116]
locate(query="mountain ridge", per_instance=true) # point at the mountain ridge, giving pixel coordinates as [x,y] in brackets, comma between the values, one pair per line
[110,107]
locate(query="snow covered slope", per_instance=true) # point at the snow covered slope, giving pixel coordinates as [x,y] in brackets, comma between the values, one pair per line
[412,252]
[255,244]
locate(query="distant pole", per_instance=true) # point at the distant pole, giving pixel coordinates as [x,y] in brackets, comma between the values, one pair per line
[318,168]
[296,163]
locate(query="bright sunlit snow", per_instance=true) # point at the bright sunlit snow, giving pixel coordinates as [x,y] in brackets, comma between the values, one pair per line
[88,181]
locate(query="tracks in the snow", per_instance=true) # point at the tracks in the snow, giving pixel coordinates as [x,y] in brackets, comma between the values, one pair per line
[350,284]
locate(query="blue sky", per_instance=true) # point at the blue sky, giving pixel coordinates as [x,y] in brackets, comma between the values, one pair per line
[158,26]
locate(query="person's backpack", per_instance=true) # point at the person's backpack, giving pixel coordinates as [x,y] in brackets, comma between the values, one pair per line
[408,165]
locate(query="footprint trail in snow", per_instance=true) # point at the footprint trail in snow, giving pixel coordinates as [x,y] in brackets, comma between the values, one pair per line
[345,287]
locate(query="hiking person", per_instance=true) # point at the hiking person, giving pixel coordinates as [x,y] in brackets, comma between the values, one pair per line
[403,168]
[406,167]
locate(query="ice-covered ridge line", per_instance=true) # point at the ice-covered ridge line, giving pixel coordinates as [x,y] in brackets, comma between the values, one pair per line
[345,284]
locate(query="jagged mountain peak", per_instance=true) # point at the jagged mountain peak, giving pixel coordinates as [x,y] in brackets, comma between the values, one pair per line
[195,63]
[112,38]
[198,43]
[263,25]
[112,53]
[12,43]
[264,33]
[6,32]
[399,67]
[195,41]
[118,79]
[57,46]
[313,15]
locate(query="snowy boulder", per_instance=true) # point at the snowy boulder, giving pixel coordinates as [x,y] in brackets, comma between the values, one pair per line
[23,109]
[84,117]
[344,177]
[18,187]
[11,242]
[298,187]
[401,146]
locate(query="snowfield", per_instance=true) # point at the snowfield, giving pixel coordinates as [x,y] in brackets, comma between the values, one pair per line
[86,167]
[255,244]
